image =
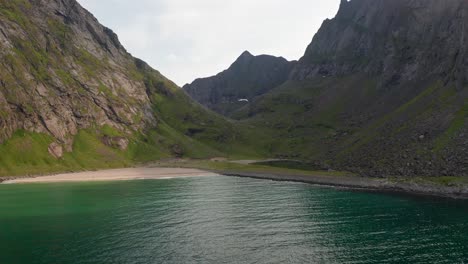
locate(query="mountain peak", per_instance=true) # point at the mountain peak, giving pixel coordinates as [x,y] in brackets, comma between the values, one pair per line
[246,54]
[249,76]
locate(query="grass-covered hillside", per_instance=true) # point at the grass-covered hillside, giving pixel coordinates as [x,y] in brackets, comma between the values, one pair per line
[349,123]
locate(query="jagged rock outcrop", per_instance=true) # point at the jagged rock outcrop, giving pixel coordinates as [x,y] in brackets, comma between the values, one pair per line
[249,76]
[62,71]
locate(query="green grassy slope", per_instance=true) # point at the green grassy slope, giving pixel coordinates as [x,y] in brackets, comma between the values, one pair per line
[351,123]
[184,129]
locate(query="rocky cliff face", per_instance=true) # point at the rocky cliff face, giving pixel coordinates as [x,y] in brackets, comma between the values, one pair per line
[398,40]
[249,76]
[415,53]
[62,71]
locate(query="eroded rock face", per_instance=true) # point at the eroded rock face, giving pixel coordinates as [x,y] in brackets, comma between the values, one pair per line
[62,71]
[249,76]
[398,40]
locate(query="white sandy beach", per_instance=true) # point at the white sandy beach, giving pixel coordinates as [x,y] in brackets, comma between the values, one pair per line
[117,175]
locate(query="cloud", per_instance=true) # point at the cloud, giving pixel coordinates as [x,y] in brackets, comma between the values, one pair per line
[187,39]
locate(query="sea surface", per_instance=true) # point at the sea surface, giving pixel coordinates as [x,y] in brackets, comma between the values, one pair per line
[225,220]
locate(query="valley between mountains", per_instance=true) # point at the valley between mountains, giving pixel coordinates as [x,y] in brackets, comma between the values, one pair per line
[380,92]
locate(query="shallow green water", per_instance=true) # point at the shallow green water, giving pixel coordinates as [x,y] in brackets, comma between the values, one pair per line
[224,220]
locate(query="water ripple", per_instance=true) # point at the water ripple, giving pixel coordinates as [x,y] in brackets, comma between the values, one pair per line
[225,220]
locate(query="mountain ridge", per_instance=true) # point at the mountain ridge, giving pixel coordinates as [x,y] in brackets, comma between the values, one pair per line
[248,77]
[391,39]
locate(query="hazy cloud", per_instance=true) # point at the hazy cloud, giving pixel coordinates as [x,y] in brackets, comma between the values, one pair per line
[187,39]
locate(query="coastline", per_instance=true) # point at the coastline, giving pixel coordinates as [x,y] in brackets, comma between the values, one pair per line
[364,184]
[143,173]
[184,170]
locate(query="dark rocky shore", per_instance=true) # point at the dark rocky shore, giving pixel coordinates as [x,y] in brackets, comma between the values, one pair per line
[366,183]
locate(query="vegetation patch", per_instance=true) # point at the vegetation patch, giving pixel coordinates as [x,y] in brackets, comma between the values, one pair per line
[88,62]
[232,167]
[458,122]
[60,32]
[14,11]
[26,153]
[290,164]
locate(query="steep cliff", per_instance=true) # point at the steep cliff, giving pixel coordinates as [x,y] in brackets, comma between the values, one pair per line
[62,71]
[400,41]
[249,76]
[415,53]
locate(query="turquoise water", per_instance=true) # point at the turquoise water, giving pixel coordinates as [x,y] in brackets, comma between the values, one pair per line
[225,220]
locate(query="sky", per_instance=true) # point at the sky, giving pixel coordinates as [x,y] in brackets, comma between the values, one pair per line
[189,39]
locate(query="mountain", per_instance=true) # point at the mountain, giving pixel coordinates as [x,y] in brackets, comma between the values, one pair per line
[63,71]
[399,41]
[72,97]
[249,76]
[381,91]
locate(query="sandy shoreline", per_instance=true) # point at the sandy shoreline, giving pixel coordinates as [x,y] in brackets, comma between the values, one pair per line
[116,175]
